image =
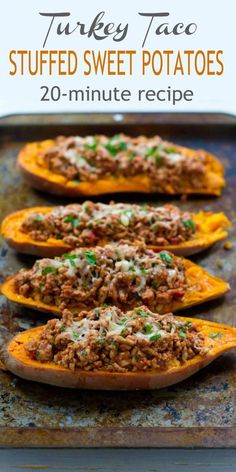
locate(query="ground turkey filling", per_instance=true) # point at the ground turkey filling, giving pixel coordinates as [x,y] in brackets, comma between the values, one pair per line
[95,157]
[120,275]
[89,223]
[108,339]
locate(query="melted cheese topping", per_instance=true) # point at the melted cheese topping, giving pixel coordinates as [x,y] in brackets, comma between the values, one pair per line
[142,265]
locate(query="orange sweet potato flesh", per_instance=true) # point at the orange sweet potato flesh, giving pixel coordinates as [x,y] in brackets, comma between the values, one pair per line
[33,168]
[202,287]
[211,228]
[17,361]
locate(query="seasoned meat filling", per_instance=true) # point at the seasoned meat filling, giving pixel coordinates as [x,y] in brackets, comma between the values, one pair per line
[107,339]
[119,275]
[90,158]
[89,223]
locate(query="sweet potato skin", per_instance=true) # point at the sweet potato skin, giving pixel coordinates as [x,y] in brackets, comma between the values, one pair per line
[212,228]
[210,288]
[43,179]
[11,232]
[19,363]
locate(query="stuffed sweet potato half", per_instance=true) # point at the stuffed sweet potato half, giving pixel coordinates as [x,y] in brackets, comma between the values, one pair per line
[51,231]
[108,349]
[95,165]
[121,275]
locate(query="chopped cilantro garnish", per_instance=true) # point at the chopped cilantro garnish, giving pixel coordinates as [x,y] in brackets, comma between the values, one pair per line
[114,147]
[122,321]
[170,150]
[140,312]
[155,337]
[151,151]
[90,257]
[75,335]
[184,328]
[182,334]
[49,270]
[62,328]
[97,313]
[189,224]
[148,329]
[71,258]
[166,257]
[158,159]
[129,213]
[93,146]
[75,182]
[38,218]
[71,219]
[215,335]
[154,151]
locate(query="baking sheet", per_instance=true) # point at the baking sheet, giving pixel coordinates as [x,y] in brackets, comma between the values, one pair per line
[198,412]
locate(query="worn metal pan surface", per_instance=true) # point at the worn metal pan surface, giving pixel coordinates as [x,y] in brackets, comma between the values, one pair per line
[198,412]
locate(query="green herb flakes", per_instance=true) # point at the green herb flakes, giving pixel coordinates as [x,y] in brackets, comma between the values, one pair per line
[189,224]
[155,337]
[38,218]
[140,312]
[71,258]
[93,146]
[72,220]
[170,150]
[148,329]
[182,334]
[215,335]
[49,270]
[166,257]
[122,321]
[90,257]
[75,335]
[154,150]
[113,146]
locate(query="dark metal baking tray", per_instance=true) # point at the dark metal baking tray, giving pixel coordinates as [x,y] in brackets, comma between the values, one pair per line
[198,412]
